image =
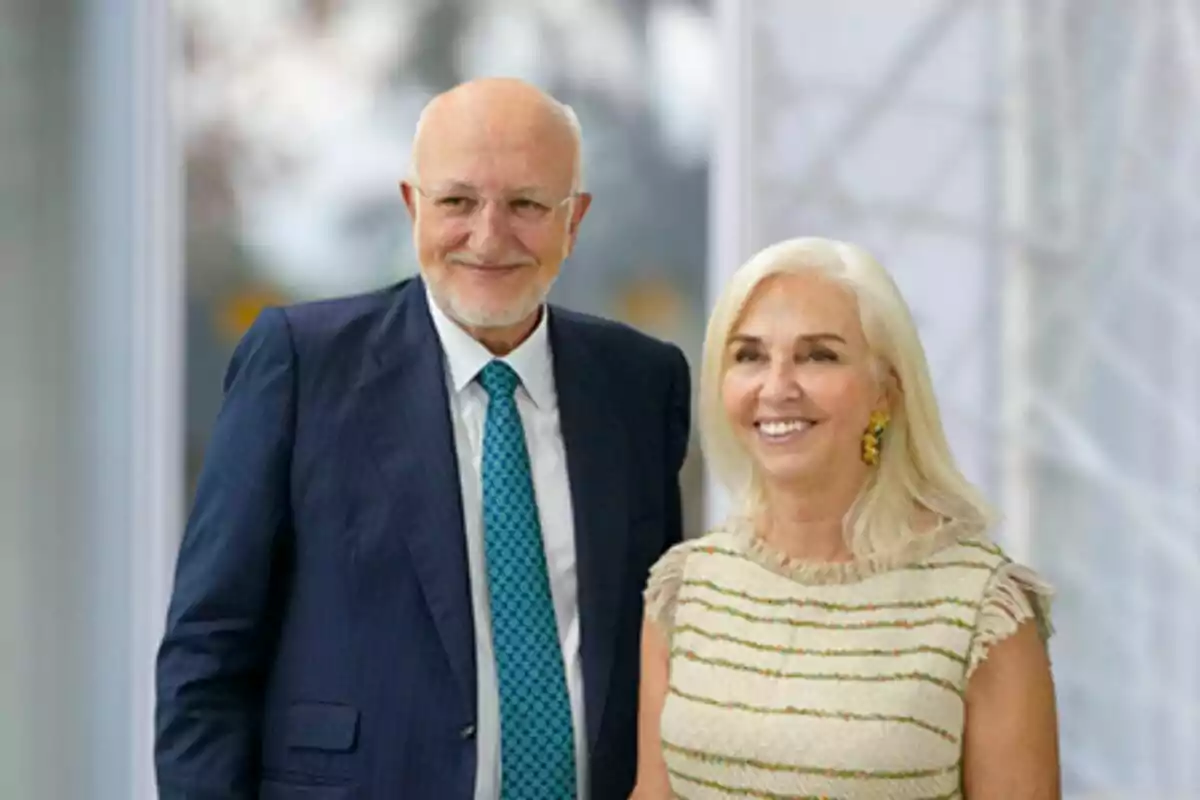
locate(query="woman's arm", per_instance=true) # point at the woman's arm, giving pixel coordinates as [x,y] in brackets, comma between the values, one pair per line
[652,782]
[1011,745]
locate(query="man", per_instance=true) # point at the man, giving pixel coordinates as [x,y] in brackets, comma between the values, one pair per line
[415,561]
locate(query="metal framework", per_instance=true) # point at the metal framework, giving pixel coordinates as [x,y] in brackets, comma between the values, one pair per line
[842,121]
[1028,169]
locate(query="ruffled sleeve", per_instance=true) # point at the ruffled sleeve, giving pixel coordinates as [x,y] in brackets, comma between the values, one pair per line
[1015,595]
[662,587]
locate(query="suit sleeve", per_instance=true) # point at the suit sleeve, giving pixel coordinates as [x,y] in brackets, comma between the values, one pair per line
[221,627]
[679,423]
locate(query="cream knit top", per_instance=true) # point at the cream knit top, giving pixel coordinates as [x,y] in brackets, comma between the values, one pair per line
[832,680]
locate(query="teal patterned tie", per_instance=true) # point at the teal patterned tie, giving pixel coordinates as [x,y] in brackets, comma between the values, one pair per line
[537,750]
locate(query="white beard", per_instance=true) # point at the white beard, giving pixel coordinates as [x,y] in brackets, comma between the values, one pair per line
[462,313]
[475,317]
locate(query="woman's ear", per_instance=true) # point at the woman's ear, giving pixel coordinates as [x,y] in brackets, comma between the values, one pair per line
[891,392]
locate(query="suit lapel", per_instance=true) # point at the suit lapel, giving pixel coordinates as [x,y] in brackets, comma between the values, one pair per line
[596,457]
[407,417]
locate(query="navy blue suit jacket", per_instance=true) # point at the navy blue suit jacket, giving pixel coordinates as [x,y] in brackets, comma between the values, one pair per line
[320,643]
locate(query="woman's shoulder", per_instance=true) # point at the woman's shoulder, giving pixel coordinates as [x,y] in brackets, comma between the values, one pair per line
[667,574]
[672,562]
[968,547]
[977,550]
[1011,593]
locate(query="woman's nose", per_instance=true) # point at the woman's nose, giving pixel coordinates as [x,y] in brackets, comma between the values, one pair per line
[781,383]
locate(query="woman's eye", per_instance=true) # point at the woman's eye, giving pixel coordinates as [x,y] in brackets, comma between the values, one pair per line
[744,356]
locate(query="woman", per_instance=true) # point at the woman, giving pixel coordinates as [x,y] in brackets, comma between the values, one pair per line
[853,633]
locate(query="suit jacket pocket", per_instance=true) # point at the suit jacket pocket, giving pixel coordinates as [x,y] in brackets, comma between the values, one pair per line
[322,726]
[281,790]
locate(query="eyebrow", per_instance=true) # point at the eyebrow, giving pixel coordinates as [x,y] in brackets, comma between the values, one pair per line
[812,338]
[463,186]
[450,186]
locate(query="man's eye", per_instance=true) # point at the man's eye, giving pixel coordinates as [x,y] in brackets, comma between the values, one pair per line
[528,208]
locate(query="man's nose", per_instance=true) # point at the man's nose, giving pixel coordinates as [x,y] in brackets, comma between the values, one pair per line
[490,228]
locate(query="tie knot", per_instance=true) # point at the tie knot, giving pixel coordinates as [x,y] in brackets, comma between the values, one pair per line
[499,380]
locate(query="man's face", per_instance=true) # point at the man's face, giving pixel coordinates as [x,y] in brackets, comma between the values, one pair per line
[494,215]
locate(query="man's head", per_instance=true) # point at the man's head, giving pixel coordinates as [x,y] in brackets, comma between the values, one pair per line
[494,192]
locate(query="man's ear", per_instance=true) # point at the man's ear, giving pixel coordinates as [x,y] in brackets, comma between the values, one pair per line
[581,204]
[410,200]
[583,201]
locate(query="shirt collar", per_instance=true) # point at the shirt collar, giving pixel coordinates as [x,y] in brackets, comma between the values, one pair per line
[465,356]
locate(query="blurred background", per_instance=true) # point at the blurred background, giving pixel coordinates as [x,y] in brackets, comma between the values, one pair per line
[1028,169]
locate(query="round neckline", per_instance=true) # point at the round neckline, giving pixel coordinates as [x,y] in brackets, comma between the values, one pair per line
[817,572]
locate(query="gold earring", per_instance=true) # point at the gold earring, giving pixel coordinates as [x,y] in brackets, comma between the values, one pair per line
[872,438]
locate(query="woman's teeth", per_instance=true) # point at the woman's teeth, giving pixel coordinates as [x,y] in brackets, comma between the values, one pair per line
[782,428]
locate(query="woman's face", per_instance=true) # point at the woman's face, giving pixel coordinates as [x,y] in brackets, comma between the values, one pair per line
[799,384]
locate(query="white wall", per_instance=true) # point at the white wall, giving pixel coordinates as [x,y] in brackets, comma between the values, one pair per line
[90,450]
[865,122]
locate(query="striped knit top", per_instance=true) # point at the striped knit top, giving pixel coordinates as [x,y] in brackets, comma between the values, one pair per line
[833,680]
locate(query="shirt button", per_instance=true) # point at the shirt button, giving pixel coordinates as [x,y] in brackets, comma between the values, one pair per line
[468,732]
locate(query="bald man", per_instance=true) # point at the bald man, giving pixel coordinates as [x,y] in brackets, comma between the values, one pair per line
[414,564]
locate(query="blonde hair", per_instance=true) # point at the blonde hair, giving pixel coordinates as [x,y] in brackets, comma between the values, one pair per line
[916,468]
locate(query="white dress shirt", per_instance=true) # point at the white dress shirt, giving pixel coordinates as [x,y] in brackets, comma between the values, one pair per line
[537,403]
